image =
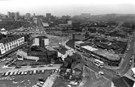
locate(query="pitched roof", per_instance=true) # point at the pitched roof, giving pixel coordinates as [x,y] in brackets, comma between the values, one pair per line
[78,66]
[62,50]
[71,42]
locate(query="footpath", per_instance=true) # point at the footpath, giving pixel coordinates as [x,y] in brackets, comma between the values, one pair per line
[50,80]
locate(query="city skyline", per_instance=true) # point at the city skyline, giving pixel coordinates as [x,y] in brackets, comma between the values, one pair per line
[67,7]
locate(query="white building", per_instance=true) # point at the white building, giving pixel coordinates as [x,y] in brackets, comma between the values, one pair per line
[3,31]
[37,40]
[64,52]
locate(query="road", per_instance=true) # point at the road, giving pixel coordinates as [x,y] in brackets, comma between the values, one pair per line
[126,66]
[118,27]
[109,74]
[50,80]
[112,74]
[94,79]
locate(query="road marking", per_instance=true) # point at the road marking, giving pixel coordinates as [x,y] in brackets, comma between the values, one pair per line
[104,83]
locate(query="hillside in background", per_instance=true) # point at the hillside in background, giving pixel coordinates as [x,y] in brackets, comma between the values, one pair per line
[114,17]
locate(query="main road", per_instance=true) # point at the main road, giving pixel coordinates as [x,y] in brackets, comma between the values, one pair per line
[126,66]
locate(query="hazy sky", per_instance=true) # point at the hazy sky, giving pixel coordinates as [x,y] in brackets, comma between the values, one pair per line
[68,7]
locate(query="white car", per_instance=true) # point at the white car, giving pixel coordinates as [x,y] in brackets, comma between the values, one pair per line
[73,83]
[101,72]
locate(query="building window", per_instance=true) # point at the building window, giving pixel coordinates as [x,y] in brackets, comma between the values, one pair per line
[15,43]
[2,48]
[8,46]
[18,42]
[11,45]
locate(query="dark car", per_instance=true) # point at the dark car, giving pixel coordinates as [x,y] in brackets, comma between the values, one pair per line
[18,67]
[30,72]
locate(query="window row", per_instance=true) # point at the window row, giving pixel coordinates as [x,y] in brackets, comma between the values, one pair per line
[10,45]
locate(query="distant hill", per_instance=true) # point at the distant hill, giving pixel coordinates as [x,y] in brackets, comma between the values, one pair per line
[114,17]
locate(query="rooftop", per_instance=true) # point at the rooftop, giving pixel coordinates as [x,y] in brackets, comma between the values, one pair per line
[8,38]
[101,52]
[62,50]
[71,42]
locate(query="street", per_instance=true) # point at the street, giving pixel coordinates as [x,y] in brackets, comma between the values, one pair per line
[95,80]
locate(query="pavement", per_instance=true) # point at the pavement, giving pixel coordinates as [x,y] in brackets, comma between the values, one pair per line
[50,80]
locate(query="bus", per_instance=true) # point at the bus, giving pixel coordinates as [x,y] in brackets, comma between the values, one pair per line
[98,63]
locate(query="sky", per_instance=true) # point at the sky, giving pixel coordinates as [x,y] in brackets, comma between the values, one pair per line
[68,7]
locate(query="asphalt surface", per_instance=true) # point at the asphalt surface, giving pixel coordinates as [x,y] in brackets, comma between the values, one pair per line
[126,66]
[95,80]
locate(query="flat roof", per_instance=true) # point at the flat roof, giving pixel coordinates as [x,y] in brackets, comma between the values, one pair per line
[79,42]
[101,52]
[89,48]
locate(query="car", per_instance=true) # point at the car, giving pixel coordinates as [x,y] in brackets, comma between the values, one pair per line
[25,73]
[30,72]
[50,65]
[118,74]
[41,66]
[39,84]
[130,62]
[101,72]
[3,74]
[18,73]
[73,83]
[18,67]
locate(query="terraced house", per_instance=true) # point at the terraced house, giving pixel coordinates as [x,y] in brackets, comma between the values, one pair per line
[11,43]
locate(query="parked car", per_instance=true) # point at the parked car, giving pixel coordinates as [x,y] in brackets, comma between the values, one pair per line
[17,66]
[130,62]
[101,72]
[73,83]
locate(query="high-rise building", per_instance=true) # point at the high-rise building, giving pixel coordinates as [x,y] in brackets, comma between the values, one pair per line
[28,15]
[17,16]
[10,15]
[66,17]
[13,15]
[48,15]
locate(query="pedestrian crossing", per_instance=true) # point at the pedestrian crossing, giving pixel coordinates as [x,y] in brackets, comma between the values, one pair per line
[11,73]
